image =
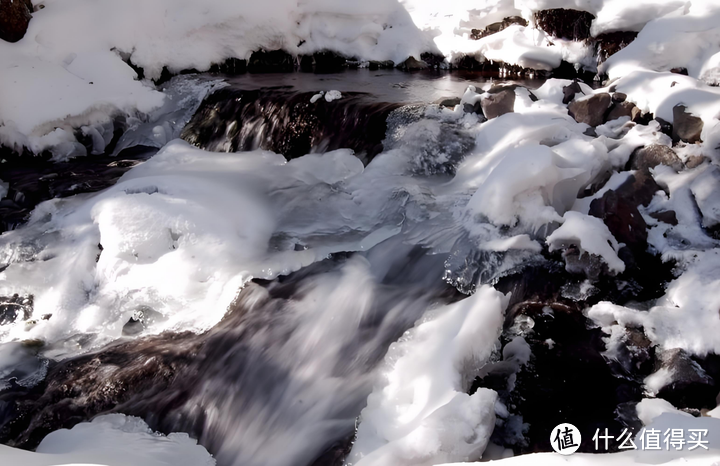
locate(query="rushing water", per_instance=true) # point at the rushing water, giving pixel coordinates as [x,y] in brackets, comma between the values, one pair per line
[344,259]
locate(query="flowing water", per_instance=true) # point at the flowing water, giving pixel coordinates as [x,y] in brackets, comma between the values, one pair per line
[336,261]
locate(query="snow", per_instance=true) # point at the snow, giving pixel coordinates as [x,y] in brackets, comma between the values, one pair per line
[419,413]
[111,440]
[591,235]
[53,81]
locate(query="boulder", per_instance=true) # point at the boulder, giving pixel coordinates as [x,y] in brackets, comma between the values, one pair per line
[654,155]
[686,127]
[570,91]
[590,110]
[498,103]
[412,64]
[622,109]
[619,97]
[14,19]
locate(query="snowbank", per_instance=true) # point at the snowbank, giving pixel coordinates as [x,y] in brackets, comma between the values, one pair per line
[111,440]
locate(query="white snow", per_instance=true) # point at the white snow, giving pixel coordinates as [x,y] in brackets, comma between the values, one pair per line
[419,413]
[111,440]
[591,235]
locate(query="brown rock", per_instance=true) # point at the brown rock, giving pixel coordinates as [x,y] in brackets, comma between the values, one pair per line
[591,110]
[667,216]
[14,19]
[412,64]
[653,155]
[499,103]
[694,161]
[622,109]
[686,127]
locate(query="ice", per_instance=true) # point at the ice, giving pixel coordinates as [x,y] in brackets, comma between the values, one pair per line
[419,412]
[111,440]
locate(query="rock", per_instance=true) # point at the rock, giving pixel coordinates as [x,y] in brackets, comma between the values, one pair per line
[384,65]
[433,60]
[476,34]
[327,61]
[640,188]
[622,109]
[610,43]
[681,70]
[498,103]
[14,19]
[619,97]
[665,126]
[565,23]
[273,61]
[667,216]
[695,161]
[580,262]
[686,127]
[412,64]
[590,110]
[654,155]
[681,381]
[450,102]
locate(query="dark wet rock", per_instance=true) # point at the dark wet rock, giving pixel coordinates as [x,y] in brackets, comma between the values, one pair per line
[324,61]
[231,66]
[654,155]
[591,110]
[685,383]
[34,179]
[583,263]
[493,28]
[273,61]
[15,17]
[448,101]
[15,307]
[495,104]
[681,70]
[610,43]
[619,211]
[565,23]
[381,65]
[570,91]
[618,97]
[665,126]
[286,122]
[568,70]
[624,109]
[686,127]
[634,355]
[469,62]
[412,64]
[566,370]
[666,216]
[433,60]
